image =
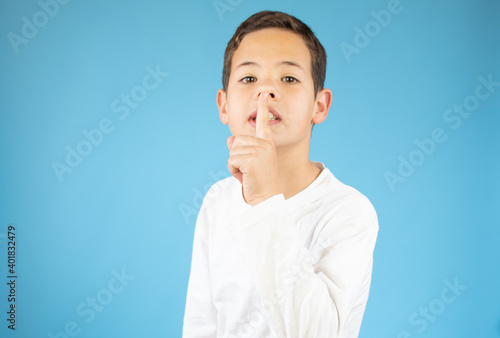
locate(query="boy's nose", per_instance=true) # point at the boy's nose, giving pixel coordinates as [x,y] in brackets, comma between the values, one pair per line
[272,92]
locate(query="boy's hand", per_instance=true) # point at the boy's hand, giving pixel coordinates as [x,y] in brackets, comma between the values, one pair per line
[252,160]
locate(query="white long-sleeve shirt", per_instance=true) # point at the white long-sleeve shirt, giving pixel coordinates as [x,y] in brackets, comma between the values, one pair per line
[299,267]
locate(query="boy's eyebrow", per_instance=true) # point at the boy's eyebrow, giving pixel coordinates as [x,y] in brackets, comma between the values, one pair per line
[253,63]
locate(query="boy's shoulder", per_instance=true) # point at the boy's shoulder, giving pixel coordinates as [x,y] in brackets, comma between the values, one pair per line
[226,189]
[330,193]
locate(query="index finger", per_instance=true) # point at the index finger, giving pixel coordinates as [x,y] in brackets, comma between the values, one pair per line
[262,120]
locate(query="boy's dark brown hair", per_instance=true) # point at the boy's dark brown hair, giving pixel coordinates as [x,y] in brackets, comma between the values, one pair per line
[271,19]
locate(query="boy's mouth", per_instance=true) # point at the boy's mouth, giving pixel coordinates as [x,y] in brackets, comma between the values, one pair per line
[274,117]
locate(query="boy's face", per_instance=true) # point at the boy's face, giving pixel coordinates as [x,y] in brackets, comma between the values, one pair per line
[278,62]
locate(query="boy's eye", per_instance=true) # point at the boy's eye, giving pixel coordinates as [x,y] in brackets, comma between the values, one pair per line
[289,79]
[251,79]
[248,79]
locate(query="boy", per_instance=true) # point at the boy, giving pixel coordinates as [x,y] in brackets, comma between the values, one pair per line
[281,248]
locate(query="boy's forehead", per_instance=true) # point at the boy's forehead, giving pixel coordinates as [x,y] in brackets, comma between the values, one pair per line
[272,45]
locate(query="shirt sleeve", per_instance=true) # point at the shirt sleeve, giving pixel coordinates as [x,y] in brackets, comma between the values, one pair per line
[200,317]
[317,292]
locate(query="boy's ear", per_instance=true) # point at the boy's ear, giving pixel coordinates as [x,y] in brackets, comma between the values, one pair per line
[322,105]
[222,104]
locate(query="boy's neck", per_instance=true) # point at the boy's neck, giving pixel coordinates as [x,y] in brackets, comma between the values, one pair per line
[296,171]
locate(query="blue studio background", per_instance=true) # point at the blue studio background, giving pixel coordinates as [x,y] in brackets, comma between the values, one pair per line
[109,138]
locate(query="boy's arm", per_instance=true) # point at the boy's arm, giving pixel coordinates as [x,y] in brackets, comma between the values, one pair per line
[200,317]
[302,299]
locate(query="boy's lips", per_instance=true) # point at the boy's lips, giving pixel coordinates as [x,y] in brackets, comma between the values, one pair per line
[253,117]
